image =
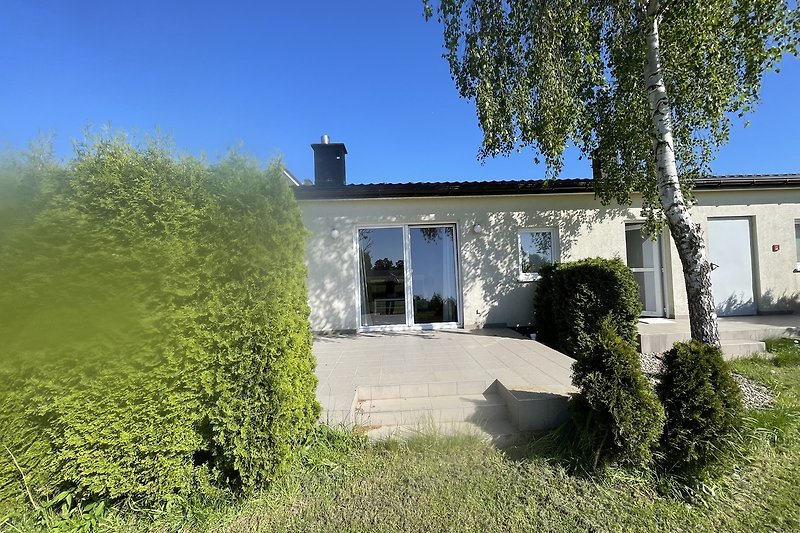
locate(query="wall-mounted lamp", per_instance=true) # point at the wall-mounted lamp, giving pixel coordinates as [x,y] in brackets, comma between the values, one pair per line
[477,228]
[334,233]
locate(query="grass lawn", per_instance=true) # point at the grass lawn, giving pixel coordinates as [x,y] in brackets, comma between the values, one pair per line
[463,484]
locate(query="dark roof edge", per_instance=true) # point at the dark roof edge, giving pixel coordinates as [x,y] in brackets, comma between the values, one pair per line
[503,188]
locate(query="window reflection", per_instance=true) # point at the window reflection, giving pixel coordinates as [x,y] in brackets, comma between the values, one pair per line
[434,274]
[382,276]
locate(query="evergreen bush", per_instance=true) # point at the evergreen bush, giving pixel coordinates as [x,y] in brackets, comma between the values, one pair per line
[572,299]
[616,412]
[703,405]
[153,325]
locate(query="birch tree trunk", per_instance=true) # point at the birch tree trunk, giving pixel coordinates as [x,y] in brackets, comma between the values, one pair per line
[685,232]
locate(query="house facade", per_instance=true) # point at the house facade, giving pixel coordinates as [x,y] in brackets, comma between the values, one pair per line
[385,257]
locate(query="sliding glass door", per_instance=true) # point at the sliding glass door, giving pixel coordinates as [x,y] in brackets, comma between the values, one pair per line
[381,254]
[408,276]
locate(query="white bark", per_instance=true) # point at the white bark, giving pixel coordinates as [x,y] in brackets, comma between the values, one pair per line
[685,232]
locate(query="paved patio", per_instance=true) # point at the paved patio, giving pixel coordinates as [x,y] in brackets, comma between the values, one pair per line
[435,363]
[394,379]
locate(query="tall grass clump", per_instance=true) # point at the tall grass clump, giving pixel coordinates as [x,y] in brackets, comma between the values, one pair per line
[154,338]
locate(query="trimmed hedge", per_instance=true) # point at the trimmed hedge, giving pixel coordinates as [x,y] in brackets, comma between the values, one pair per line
[616,411]
[153,324]
[572,299]
[703,405]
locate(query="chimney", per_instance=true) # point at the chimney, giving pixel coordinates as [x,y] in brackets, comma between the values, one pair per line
[329,163]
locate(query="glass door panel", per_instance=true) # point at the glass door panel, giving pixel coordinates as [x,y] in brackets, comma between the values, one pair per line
[382,276]
[644,259]
[433,274]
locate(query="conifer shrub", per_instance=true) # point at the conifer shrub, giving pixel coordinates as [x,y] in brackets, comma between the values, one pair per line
[572,299]
[703,406]
[154,335]
[616,411]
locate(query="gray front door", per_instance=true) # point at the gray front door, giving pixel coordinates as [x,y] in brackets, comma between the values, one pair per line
[731,255]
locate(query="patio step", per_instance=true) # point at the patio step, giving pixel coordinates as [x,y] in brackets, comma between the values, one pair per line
[494,411]
[732,333]
[435,411]
[735,349]
[500,432]
[734,344]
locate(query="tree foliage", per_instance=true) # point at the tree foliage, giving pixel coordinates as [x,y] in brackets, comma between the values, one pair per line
[548,73]
[154,337]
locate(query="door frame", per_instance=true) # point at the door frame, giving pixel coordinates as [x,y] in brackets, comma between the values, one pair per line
[407,273]
[659,270]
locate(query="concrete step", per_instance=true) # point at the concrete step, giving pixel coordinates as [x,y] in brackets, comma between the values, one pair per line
[660,342]
[534,409]
[420,390]
[729,331]
[431,410]
[750,334]
[499,432]
[735,349]
[732,348]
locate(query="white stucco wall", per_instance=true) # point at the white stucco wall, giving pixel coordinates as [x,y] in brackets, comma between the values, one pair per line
[488,261]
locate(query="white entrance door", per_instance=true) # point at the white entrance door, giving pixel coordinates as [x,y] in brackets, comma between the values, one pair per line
[731,255]
[644,259]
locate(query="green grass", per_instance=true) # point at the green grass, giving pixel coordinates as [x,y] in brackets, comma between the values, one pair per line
[787,351]
[436,483]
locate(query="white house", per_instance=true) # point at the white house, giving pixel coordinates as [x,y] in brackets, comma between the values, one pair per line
[432,255]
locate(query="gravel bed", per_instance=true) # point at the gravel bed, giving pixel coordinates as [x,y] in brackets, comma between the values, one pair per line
[754,395]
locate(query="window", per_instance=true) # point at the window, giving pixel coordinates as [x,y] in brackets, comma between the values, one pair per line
[797,244]
[536,249]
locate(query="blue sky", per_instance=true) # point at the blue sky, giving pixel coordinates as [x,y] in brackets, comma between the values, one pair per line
[271,77]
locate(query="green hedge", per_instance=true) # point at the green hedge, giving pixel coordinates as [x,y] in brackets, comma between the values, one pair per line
[703,405]
[572,299]
[153,324]
[616,411]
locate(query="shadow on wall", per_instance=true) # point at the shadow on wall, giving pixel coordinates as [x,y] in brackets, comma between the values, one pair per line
[785,303]
[768,303]
[490,260]
[735,305]
[330,283]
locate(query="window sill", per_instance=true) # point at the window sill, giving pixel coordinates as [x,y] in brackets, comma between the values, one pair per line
[529,278]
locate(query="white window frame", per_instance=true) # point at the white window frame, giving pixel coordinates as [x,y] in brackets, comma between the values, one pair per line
[535,276]
[658,270]
[796,245]
[409,269]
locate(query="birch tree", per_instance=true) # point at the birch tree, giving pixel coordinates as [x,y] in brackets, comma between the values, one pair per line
[647,89]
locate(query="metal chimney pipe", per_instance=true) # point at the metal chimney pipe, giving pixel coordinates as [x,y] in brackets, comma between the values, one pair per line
[325,139]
